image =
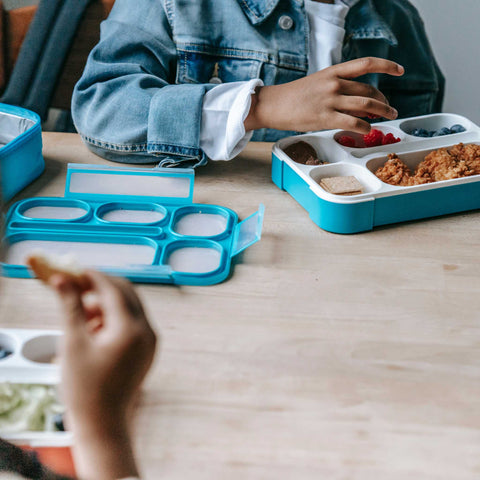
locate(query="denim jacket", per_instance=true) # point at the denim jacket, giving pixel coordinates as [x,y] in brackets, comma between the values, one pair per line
[140,97]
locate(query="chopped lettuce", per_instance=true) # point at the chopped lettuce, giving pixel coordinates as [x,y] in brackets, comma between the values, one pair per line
[27,407]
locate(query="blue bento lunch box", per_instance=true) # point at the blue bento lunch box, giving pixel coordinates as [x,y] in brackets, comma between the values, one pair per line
[134,222]
[379,203]
[21,159]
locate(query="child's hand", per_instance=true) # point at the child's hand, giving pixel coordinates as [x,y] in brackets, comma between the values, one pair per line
[328,99]
[108,347]
[107,350]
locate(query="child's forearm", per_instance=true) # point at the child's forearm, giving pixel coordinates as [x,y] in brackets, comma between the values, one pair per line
[103,451]
[258,115]
[327,99]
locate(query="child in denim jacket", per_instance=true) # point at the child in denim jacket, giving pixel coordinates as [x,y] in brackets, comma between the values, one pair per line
[179,82]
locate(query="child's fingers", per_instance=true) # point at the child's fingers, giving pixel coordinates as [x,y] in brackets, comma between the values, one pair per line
[359,89]
[70,294]
[362,66]
[351,123]
[361,105]
[116,293]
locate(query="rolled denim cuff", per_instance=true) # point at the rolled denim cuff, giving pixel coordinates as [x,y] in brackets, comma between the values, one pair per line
[174,119]
[162,155]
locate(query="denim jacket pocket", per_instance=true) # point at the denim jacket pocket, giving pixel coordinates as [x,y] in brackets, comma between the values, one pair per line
[199,67]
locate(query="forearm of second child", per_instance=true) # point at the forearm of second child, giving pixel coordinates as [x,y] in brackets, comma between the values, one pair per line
[106,351]
[103,450]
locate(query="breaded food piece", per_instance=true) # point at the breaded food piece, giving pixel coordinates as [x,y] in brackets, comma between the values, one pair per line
[304,153]
[394,171]
[45,267]
[469,153]
[443,164]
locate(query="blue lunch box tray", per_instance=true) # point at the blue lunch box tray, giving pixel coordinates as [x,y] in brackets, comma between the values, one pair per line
[21,159]
[380,203]
[150,232]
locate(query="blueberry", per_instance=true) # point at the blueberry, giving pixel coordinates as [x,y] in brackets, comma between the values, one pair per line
[457,128]
[58,422]
[420,132]
[443,131]
[4,353]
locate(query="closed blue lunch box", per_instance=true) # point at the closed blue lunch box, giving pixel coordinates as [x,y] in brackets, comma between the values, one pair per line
[21,159]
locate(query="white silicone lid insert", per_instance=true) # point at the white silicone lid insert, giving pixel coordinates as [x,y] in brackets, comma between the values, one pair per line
[85,253]
[54,213]
[122,215]
[194,259]
[201,224]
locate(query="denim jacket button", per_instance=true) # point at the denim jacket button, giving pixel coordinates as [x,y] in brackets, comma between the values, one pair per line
[285,22]
[215,80]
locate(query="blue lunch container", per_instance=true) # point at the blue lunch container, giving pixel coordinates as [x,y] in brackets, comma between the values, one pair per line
[21,159]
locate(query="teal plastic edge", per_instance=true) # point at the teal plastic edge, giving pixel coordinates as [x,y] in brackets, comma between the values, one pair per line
[136,171]
[152,274]
[427,203]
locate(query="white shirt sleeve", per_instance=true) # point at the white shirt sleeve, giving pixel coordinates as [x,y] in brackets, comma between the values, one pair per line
[225,108]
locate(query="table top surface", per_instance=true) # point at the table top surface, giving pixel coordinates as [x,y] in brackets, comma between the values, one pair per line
[321,356]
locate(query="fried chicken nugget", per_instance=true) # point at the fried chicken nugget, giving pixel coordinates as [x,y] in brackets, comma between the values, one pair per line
[394,171]
[442,164]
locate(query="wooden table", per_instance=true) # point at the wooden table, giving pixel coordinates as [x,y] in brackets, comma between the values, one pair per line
[322,357]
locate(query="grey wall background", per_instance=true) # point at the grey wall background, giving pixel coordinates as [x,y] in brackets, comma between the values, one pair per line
[454,32]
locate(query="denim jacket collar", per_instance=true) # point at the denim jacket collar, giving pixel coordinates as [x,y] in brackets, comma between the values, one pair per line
[366,24]
[258,10]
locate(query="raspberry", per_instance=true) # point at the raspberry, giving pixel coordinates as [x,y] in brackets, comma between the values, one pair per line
[374,138]
[346,141]
[372,116]
[389,138]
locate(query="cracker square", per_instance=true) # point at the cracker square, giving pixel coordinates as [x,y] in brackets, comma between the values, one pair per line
[342,185]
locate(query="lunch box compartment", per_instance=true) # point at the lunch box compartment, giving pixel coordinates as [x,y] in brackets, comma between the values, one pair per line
[193,258]
[54,209]
[201,221]
[361,149]
[369,183]
[127,213]
[107,252]
[41,349]
[435,122]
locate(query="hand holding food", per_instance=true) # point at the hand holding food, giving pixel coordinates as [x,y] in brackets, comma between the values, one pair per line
[107,349]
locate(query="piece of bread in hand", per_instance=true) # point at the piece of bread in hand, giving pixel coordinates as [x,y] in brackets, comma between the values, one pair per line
[45,266]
